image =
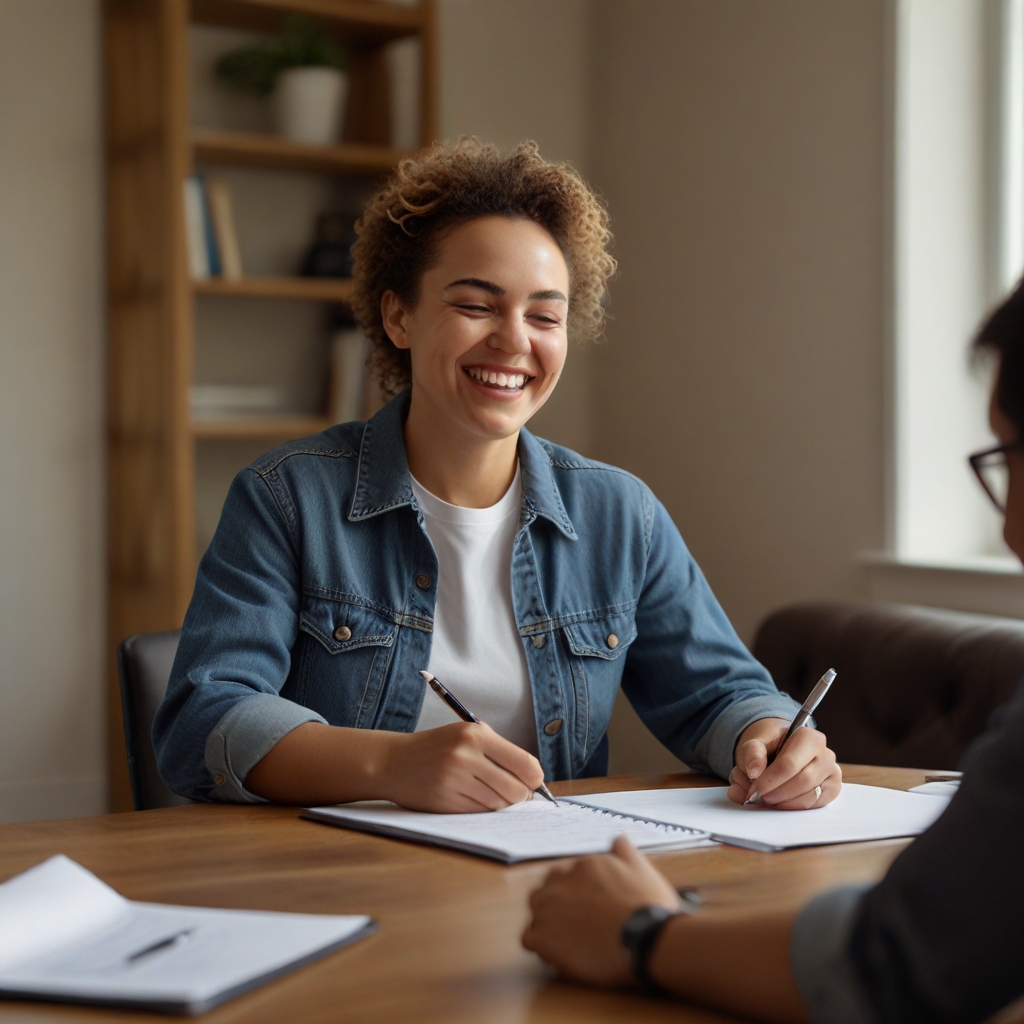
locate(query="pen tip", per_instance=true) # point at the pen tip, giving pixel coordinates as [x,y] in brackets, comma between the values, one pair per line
[426,675]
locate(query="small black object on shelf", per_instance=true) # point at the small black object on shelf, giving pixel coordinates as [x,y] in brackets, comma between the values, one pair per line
[331,253]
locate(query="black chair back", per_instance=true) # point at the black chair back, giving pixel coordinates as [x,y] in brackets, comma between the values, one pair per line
[144,663]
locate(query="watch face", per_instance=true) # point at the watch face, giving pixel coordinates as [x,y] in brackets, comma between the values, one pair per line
[640,923]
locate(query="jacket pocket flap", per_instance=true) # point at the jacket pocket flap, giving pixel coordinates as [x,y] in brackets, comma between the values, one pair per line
[343,627]
[604,638]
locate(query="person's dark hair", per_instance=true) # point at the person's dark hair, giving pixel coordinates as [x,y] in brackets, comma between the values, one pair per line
[1003,335]
[401,230]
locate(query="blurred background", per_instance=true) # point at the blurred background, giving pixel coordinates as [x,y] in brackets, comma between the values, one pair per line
[814,202]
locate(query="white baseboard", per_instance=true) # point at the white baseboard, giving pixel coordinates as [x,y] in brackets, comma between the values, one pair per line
[70,796]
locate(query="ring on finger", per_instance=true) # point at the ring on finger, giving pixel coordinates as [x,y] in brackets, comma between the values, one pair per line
[817,793]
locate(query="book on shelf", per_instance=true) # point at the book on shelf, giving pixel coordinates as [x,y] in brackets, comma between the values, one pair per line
[213,249]
[347,390]
[237,401]
[226,238]
[195,229]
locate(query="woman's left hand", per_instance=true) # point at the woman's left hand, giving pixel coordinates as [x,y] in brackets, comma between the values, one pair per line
[804,774]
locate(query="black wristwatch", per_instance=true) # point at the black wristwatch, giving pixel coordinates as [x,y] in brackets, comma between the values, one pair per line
[642,929]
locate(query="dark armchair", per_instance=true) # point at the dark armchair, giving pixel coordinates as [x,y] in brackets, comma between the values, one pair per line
[915,685]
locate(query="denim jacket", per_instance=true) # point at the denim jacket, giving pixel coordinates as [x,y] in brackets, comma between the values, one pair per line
[315,602]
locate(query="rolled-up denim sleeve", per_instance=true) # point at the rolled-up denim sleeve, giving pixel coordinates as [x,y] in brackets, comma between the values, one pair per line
[688,675]
[223,710]
[717,747]
[241,739]
[819,953]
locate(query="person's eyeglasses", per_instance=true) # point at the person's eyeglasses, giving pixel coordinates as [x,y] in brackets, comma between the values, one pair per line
[991,470]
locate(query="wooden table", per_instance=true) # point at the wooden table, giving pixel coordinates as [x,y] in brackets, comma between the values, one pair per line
[447,949]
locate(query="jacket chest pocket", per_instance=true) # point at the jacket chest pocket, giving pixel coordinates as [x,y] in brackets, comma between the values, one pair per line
[346,659]
[596,652]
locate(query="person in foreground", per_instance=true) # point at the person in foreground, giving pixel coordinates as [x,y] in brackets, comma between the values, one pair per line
[939,939]
[441,535]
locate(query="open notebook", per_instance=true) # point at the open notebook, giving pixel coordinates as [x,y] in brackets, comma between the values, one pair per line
[68,937]
[526,831]
[653,820]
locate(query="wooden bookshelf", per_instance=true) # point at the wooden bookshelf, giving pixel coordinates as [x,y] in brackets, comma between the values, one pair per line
[311,289]
[151,300]
[269,428]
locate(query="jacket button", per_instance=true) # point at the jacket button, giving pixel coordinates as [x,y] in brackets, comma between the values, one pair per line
[613,640]
[342,633]
[423,581]
[218,780]
[538,639]
[553,727]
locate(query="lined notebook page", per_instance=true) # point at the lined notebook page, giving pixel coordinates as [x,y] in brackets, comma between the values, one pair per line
[858,814]
[525,831]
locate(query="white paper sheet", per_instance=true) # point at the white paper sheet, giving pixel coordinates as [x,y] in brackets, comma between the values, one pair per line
[947,789]
[858,814]
[525,831]
[217,953]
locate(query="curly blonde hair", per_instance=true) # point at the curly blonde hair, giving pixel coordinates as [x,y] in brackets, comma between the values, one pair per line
[404,224]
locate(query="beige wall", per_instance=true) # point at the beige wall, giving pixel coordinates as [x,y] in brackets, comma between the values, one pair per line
[519,69]
[51,413]
[741,149]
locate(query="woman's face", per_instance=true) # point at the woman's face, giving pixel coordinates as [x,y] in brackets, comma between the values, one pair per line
[487,337]
[1013,524]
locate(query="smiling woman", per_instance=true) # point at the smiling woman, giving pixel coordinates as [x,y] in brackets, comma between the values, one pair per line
[441,535]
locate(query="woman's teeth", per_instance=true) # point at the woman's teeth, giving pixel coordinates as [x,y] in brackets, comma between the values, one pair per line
[501,380]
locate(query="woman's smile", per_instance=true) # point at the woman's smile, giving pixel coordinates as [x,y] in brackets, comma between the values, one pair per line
[501,382]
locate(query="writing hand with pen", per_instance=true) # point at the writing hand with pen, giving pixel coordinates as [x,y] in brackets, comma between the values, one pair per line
[785,765]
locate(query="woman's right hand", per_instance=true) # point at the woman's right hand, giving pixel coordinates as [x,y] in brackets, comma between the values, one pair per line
[457,769]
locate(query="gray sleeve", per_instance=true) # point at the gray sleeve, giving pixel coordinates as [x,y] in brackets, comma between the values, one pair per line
[244,735]
[717,747]
[819,953]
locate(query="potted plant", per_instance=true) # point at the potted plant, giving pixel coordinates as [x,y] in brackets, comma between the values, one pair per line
[303,69]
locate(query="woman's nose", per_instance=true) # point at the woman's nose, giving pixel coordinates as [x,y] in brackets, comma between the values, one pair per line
[511,336]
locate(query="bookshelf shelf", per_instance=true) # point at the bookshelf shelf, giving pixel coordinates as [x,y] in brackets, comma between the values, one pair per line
[353,21]
[269,428]
[254,149]
[315,289]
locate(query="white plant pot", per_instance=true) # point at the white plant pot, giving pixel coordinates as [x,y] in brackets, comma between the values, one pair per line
[309,104]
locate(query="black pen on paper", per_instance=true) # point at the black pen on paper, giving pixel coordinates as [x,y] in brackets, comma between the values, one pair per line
[467,716]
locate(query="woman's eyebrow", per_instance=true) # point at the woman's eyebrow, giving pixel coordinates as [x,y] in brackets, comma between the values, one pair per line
[476,282]
[496,289]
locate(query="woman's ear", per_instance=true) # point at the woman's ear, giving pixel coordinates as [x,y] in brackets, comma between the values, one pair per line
[393,314]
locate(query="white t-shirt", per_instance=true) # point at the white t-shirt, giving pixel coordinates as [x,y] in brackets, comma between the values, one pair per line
[477,651]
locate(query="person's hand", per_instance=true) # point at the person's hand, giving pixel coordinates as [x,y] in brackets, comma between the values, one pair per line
[579,911]
[791,782]
[458,769]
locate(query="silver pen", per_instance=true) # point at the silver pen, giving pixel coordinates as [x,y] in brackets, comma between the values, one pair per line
[467,716]
[814,698]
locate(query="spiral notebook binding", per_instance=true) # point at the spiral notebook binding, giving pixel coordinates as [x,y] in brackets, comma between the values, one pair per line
[663,826]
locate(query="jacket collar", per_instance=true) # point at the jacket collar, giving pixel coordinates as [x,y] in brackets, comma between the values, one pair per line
[383,481]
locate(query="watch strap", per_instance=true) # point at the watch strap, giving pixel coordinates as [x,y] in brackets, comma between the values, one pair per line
[639,933]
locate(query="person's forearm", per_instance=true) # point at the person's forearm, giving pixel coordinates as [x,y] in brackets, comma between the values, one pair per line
[733,960]
[324,764]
